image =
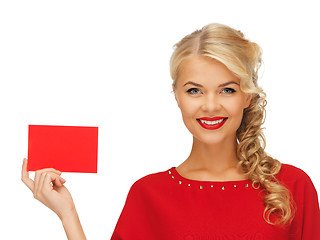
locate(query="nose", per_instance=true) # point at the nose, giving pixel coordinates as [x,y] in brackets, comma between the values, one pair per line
[211,103]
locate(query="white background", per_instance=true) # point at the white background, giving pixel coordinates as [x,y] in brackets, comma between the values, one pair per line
[106,64]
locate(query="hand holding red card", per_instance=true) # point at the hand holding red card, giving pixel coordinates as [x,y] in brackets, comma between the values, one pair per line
[65,148]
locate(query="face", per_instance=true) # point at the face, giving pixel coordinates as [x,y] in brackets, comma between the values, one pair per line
[210,99]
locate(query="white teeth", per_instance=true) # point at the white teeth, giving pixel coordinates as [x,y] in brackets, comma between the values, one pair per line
[211,122]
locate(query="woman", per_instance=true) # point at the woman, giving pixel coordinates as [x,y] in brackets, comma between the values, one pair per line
[228,187]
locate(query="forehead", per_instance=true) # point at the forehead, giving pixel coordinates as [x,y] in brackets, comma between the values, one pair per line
[205,71]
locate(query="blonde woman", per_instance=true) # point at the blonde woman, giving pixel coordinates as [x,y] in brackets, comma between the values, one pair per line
[228,187]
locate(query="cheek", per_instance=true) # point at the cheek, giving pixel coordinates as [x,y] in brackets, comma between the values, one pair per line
[236,111]
[188,108]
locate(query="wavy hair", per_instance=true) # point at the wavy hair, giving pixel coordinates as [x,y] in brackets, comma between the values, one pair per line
[243,58]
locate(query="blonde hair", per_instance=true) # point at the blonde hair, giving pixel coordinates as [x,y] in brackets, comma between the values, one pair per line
[243,58]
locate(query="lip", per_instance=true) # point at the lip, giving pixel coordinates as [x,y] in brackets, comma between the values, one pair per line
[212,127]
[211,119]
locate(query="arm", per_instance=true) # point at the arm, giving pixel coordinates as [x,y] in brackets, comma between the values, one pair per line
[72,226]
[48,188]
[311,212]
[306,223]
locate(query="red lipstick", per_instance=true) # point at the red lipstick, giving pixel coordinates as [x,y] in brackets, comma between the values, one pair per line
[212,126]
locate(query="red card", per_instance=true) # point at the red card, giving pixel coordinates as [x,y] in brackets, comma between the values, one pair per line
[65,148]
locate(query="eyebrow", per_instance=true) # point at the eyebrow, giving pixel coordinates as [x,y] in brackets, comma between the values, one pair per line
[221,85]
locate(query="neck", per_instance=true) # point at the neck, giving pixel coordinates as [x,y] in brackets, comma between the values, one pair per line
[212,162]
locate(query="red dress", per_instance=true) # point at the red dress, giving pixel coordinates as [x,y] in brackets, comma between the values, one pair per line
[167,206]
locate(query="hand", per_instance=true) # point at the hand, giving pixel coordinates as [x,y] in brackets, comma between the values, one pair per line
[48,188]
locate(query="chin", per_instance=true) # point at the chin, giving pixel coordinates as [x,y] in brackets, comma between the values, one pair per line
[210,140]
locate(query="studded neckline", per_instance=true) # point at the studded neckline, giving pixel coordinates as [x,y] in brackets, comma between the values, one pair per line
[223,185]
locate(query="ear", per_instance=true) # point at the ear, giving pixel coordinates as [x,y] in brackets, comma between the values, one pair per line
[248,100]
[175,96]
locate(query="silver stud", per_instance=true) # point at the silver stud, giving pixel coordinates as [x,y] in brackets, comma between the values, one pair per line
[211,185]
[201,187]
[222,188]
[247,185]
[169,172]
[172,176]
[180,182]
[189,185]
[235,186]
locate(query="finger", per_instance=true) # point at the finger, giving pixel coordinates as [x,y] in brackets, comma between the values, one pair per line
[48,170]
[63,181]
[42,186]
[38,175]
[55,180]
[39,184]
[25,175]
[51,178]
[59,181]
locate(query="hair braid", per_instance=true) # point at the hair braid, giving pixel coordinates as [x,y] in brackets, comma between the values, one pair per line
[259,166]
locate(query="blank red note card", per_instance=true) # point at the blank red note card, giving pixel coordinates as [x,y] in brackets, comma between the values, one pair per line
[65,148]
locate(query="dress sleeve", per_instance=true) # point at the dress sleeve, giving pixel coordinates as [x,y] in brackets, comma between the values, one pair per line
[132,223]
[311,213]
[306,225]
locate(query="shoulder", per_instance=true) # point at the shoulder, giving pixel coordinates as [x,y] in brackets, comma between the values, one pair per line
[151,181]
[289,171]
[305,200]
[153,178]
[294,178]
[292,173]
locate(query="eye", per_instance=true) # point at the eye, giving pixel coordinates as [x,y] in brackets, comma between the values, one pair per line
[193,91]
[228,90]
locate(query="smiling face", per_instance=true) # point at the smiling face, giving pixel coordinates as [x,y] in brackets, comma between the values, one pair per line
[210,99]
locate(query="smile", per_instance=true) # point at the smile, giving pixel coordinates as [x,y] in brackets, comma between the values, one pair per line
[212,123]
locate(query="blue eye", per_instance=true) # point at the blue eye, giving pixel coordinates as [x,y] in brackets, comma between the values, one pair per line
[228,90]
[193,91]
